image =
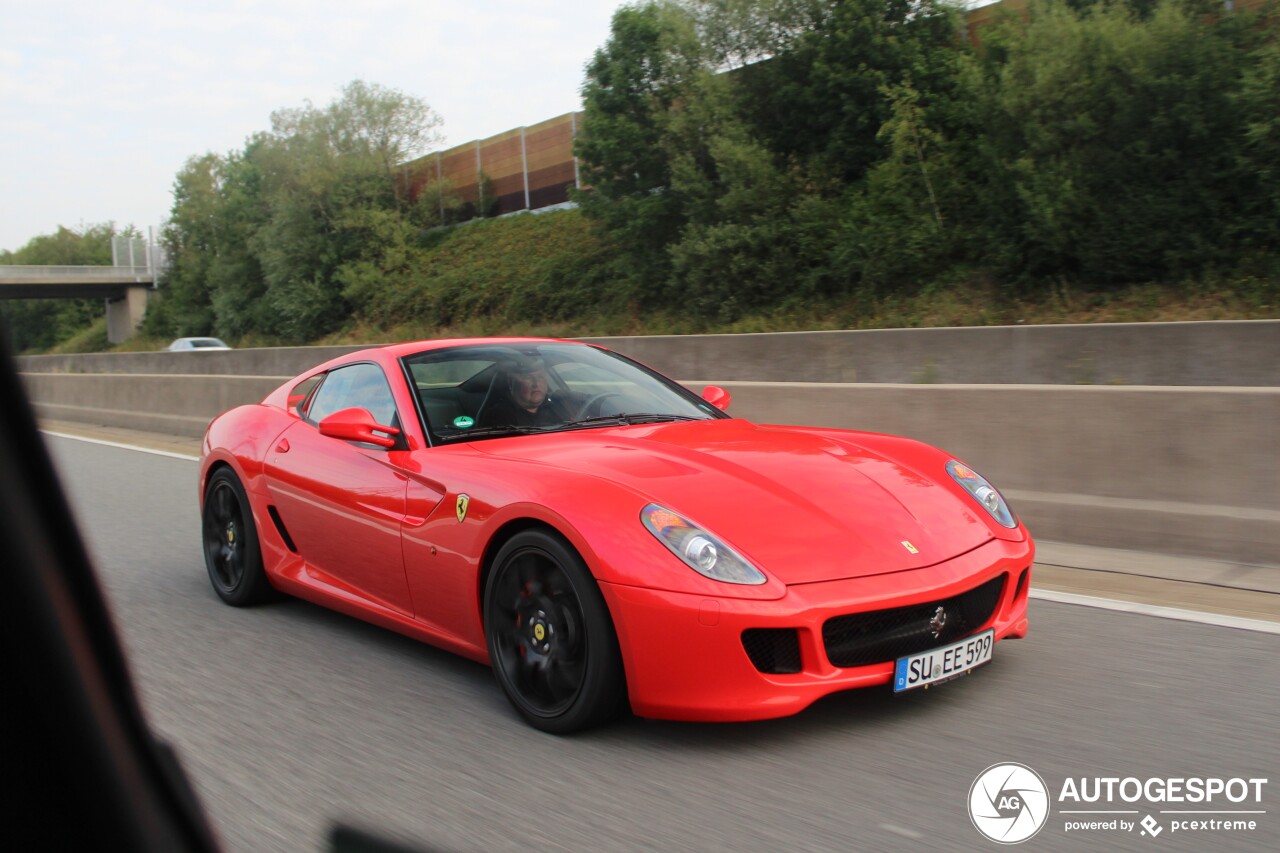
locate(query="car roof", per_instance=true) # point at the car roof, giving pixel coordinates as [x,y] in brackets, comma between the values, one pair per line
[392,352]
[413,347]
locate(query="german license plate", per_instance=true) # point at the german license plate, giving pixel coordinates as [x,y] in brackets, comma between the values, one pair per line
[943,663]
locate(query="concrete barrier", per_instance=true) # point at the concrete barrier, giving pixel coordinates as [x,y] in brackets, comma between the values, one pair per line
[172,404]
[1157,437]
[1190,471]
[1210,353]
[258,361]
[1181,354]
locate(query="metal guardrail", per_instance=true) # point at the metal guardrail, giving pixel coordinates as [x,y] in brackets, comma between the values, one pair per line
[62,273]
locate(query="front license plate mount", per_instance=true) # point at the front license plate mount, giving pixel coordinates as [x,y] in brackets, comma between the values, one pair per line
[937,665]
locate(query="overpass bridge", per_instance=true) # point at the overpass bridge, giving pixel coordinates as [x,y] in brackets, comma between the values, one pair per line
[124,288]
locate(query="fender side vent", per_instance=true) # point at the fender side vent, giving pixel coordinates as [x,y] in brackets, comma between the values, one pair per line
[280,528]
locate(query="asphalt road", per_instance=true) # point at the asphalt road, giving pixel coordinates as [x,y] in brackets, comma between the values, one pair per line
[290,718]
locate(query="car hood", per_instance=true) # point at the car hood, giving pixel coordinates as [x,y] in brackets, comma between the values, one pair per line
[805,506]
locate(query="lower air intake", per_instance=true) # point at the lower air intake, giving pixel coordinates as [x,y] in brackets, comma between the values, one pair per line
[773,650]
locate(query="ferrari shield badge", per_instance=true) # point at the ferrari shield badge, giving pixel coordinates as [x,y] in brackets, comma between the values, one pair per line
[461,507]
[910,548]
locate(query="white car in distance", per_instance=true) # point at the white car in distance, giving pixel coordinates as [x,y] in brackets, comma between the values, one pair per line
[197,345]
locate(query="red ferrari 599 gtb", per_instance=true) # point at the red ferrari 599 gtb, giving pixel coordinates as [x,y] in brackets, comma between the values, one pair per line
[604,538]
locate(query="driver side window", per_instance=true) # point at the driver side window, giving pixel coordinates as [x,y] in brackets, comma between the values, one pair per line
[359,385]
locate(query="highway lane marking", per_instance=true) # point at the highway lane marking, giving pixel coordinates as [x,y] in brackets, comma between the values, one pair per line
[121,446]
[1220,620]
[901,830]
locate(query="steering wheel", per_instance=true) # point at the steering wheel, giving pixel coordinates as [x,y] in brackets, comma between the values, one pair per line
[594,400]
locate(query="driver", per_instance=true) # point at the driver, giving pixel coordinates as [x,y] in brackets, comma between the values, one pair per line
[523,398]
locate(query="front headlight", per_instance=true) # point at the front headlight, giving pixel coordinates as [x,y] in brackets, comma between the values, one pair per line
[983,492]
[699,550]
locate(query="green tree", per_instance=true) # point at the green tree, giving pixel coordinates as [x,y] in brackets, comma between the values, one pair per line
[907,222]
[1258,227]
[721,135]
[289,237]
[821,98]
[739,33]
[644,72]
[1119,134]
[338,224]
[755,232]
[192,243]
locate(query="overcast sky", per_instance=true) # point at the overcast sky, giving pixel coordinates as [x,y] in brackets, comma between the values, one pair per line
[102,103]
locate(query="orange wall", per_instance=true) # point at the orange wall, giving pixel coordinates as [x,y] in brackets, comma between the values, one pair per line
[527,167]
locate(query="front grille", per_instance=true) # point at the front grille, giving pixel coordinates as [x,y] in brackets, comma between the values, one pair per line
[773,650]
[884,635]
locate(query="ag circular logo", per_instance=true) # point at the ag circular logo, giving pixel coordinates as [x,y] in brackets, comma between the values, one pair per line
[1009,803]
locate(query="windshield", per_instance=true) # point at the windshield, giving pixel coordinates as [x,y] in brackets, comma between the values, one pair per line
[490,391]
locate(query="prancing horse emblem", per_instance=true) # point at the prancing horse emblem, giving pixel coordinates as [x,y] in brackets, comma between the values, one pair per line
[461,507]
[938,622]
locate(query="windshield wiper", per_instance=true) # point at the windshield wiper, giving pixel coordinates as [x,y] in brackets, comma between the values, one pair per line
[489,432]
[598,420]
[657,418]
[627,419]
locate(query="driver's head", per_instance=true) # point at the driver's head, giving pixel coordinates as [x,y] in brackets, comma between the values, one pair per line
[528,383]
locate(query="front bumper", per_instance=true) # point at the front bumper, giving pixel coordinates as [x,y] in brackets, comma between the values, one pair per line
[685,658]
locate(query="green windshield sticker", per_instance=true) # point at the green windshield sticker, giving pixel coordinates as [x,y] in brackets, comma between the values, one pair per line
[463,422]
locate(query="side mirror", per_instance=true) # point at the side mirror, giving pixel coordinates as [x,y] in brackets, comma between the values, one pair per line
[356,424]
[717,396]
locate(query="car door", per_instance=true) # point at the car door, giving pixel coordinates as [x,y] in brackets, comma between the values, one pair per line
[342,502]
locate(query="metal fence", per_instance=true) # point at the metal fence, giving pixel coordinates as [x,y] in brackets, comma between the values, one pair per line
[140,273]
[139,252]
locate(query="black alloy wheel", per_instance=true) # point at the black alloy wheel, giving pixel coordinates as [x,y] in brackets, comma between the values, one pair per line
[551,642]
[231,552]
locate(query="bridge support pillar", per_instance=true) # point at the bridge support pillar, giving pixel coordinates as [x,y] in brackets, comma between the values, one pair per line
[124,313]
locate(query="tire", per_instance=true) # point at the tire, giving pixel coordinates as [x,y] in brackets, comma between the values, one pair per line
[551,642]
[231,551]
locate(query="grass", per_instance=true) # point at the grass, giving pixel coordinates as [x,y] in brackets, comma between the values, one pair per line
[555,275]
[977,306]
[91,339]
[1137,304]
